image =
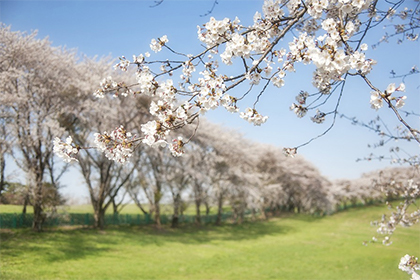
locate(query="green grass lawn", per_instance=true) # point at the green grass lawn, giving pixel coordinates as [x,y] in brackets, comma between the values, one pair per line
[290,247]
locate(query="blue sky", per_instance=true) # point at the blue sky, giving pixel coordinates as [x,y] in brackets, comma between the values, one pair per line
[118,28]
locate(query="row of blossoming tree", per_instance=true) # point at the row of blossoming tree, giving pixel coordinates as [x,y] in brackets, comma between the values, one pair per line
[42,97]
[221,166]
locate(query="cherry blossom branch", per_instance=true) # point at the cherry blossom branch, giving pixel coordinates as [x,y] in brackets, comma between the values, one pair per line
[386,97]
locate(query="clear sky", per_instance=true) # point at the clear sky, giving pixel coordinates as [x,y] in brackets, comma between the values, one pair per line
[118,28]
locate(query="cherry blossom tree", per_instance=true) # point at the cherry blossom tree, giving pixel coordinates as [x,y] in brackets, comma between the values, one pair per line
[178,177]
[224,166]
[104,178]
[38,83]
[5,148]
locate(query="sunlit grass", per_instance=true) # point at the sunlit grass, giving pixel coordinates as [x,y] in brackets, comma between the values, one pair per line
[290,247]
[87,208]
[6,208]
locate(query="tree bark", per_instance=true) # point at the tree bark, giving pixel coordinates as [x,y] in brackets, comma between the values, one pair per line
[157,198]
[207,208]
[197,212]
[175,217]
[157,216]
[25,203]
[263,215]
[219,209]
[2,169]
[99,216]
[38,211]
[114,206]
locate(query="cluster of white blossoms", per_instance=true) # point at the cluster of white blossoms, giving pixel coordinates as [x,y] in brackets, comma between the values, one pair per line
[272,10]
[154,134]
[229,102]
[409,191]
[236,47]
[117,145]
[252,116]
[290,152]
[377,98]
[210,91]
[123,64]
[156,45]
[188,68]
[410,264]
[177,147]
[328,55]
[299,109]
[106,84]
[216,32]
[319,117]
[65,150]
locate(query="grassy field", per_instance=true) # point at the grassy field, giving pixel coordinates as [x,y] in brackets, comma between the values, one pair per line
[290,247]
[86,208]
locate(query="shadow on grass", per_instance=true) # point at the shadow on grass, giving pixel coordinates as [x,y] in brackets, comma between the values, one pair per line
[53,245]
[192,234]
[59,244]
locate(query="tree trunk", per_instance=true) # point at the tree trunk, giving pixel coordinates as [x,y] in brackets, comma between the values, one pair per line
[157,216]
[263,215]
[175,217]
[114,206]
[38,217]
[99,216]
[219,209]
[157,197]
[207,208]
[241,216]
[2,169]
[197,212]
[25,203]
[38,211]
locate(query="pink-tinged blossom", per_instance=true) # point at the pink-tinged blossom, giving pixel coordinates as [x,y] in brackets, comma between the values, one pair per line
[116,145]
[376,101]
[364,47]
[105,85]
[65,150]
[290,152]
[252,116]
[229,102]
[299,110]
[401,87]
[123,64]
[277,81]
[166,91]
[272,10]
[301,97]
[156,45]
[145,81]
[177,147]
[400,102]
[390,89]
[319,117]
[409,264]
[154,134]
